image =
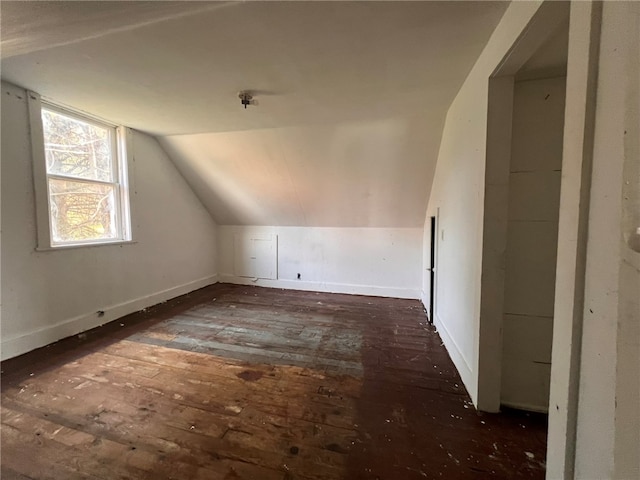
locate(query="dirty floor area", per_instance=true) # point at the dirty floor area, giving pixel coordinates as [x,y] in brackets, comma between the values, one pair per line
[236,382]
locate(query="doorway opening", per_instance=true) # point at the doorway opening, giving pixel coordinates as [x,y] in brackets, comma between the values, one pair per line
[432,269]
[532,227]
[520,226]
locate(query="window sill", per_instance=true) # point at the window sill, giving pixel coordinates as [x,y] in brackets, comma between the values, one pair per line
[86,245]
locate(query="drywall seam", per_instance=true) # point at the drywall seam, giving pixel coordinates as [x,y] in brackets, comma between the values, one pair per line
[24,343]
[27,47]
[461,363]
[325,287]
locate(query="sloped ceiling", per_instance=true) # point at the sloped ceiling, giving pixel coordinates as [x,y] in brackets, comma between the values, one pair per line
[352,95]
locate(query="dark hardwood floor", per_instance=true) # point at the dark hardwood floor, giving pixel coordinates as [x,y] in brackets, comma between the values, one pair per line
[235,382]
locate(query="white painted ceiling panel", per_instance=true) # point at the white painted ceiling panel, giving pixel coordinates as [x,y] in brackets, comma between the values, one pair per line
[370,173]
[352,95]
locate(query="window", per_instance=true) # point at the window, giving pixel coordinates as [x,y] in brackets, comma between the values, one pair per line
[86,180]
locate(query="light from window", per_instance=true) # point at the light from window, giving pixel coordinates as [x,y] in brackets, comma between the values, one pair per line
[84,180]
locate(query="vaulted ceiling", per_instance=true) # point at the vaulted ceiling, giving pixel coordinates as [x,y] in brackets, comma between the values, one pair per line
[352,96]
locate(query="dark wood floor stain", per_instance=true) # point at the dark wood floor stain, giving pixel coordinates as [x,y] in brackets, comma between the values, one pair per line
[236,382]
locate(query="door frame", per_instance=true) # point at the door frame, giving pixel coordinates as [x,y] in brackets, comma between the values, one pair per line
[432,268]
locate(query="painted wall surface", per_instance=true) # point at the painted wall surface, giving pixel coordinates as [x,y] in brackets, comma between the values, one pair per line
[48,295]
[608,430]
[532,238]
[366,261]
[583,46]
[350,97]
[368,173]
[458,193]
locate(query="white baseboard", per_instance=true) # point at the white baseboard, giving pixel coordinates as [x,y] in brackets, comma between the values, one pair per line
[461,364]
[425,301]
[19,344]
[526,406]
[393,292]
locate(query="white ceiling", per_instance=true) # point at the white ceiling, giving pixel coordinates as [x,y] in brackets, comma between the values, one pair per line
[352,95]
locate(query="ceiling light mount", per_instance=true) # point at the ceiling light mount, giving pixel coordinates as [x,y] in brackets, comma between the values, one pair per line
[246,98]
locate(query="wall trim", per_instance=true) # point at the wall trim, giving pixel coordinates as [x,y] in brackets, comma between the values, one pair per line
[20,344]
[525,406]
[425,301]
[465,371]
[327,287]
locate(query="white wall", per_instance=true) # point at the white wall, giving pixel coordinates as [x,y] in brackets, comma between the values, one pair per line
[366,261]
[598,346]
[458,193]
[48,295]
[373,173]
[608,429]
[532,239]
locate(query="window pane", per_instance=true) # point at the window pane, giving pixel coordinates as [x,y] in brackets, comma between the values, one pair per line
[76,148]
[82,211]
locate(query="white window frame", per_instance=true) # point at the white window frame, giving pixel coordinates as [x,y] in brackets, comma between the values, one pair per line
[121,142]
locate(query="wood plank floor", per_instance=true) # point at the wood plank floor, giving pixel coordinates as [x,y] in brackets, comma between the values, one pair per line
[236,382]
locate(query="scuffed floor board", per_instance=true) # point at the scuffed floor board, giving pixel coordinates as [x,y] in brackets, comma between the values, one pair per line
[241,382]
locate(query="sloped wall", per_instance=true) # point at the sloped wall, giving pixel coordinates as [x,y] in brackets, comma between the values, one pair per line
[373,173]
[48,295]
